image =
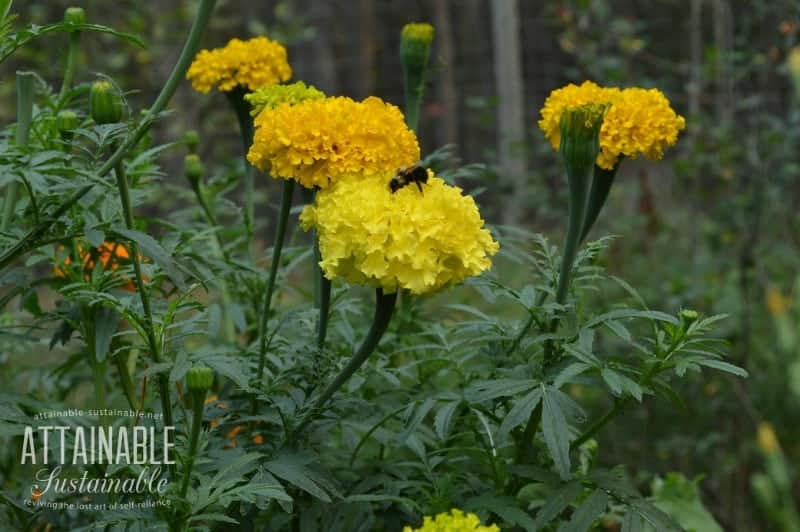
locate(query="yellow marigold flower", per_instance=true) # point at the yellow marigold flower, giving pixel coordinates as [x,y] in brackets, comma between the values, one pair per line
[271,96]
[418,31]
[406,239]
[248,64]
[767,440]
[777,303]
[319,141]
[453,521]
[638,121]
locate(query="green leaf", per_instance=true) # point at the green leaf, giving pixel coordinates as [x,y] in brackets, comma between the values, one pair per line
[557,502]
[416,419]
[587,513]
[722,366]
[444,419]
[106,324]
[151,249]
[556,432]
[655,517]
[521,411]
[633,522]
[294,472]
[485,390]
[619,383]
[506,507]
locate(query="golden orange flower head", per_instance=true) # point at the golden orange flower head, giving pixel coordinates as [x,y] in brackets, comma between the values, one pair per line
[637,122]
[320,141]
[247,64]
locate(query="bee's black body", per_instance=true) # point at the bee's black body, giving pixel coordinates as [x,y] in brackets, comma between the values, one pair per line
[405,176]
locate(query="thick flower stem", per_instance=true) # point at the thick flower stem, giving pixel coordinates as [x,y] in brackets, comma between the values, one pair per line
[280,233]
[198,400]
[384,307]
[598,193]
[323,297]
[31,238]
[69,68]
[141,288]
[24,119]
[242,110]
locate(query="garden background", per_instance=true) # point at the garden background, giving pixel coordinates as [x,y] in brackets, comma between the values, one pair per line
[713,227]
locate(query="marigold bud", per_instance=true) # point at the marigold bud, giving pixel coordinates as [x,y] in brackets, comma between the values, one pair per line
[688,317]
[105,105]
[75,15]
[66,120]
[193,168]
[580,137]
[192,140]
[199,378]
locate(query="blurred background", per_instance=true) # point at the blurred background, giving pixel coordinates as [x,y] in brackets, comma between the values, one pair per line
[713,227]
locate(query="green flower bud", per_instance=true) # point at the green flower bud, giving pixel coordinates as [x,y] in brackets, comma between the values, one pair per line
[75,15]
[415,50]
[105,105]
[66,120]
[193,168]
[688,317]
[199,378]
[192,140]
[580,138]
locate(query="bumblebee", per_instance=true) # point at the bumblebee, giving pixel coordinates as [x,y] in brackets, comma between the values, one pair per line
[405,176]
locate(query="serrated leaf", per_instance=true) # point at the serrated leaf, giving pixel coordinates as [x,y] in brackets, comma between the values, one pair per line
[419,414]
[722,366]
[444,418]
[297,474]
[151,249]
[557,502]
[633,522]
[106,323]
[556,432]
[587,513]
[485,390]
[521,411]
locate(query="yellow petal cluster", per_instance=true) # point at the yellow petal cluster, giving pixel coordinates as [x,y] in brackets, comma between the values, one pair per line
[638,121]
[320,141]
[453,521]
[271,96]
[248,64]
[412,240]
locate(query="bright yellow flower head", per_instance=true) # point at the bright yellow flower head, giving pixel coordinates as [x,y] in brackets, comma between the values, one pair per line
[453,521]
[248,64]
[406,239]
[638,121]
[271,96]
[320,141]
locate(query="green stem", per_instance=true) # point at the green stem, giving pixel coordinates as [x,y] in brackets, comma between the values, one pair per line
[324,303]
[242,110]
[125,379]
[24,118]
[155,348]
[29,241]
[69,69]
[384,307]
[198,399]
[619,405]
[598,193]
[100,388]
[280,233]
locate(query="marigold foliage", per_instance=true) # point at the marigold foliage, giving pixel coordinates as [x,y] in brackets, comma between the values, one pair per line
[407,239]
[638,121]
[453,521]
[320,141]
[271,96]
[248,64]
